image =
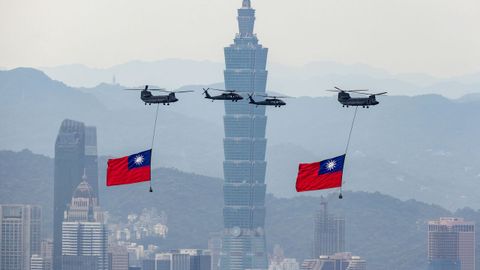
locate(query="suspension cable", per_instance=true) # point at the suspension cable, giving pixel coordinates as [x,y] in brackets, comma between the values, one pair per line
[348,145]
[153,141]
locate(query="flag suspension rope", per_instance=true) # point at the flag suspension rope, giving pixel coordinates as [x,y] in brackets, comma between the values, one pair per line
[340,196]
[153,140]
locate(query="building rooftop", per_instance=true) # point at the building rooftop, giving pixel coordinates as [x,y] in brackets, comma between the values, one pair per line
[450,221]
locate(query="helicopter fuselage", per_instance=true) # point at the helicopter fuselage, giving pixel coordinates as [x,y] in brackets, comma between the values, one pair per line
[147,97]
[268,102]
[346,100]
[225,96]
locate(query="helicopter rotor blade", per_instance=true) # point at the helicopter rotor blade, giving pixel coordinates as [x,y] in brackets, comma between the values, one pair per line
[148,89]
[183,91]
[347,91]
[223,90]
[268,96]
[373,94]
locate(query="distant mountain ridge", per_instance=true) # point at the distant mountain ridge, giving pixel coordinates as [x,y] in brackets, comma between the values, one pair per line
[307,80]
[384,230]
[418,147]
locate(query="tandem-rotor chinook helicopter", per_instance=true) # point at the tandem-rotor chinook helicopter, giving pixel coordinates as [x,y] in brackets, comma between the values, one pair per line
[147,96]
[347,101]
[227,95]
[269,100]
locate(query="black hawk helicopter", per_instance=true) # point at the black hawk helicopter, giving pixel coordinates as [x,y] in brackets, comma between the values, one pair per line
[346,100]
[147,96]
[269,101]
[227,95]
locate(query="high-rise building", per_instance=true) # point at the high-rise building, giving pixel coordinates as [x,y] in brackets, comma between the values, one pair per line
[329,232]
[19,236]
[215,247]
[46,252]
[118,258]
[79,262]
[75,151]
[284,264]
[37,263]
[338,261]
[91,159]
[451,244]
[182,259]
[200,261]
[163,261]
[69,167]
[148,264]
[84,233]
[244,148]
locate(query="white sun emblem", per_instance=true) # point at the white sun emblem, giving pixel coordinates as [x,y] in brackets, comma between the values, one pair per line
[139,160]
[331,165]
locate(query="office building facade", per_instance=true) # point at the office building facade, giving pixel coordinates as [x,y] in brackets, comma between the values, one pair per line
[451,244]
[118,258]
[19,236]
[329,232]
[84,233]
[182,259]
[338,261]
[37,262]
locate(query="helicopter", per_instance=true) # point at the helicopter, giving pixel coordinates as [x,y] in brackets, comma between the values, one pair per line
[147,96]
[269,101]
[347,101]
[227,95]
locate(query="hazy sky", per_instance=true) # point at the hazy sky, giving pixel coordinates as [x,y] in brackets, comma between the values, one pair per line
[439,37]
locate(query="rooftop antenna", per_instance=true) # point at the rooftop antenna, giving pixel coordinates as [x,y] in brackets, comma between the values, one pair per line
[246,4]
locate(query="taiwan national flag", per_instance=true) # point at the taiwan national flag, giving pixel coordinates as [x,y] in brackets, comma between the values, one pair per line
[320,175]
[129,170]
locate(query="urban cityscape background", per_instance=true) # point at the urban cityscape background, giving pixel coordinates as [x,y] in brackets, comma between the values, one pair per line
[57,214]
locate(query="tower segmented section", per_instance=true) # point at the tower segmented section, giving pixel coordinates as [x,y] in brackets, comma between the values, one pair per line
[244,148]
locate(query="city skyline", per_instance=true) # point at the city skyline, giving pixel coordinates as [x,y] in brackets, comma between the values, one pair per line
[410,183]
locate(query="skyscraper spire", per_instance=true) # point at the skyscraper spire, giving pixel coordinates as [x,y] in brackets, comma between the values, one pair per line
[84,177]
[246,19]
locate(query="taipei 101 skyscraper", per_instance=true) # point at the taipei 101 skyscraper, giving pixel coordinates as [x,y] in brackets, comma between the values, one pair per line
[244,146]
